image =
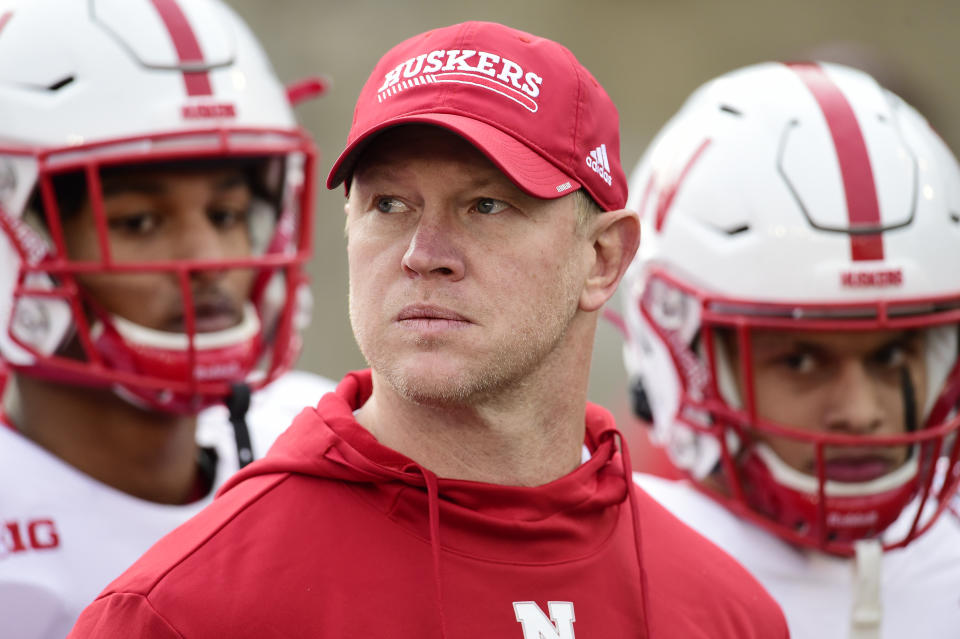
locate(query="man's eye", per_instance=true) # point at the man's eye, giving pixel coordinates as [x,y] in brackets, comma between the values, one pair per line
[892,356]
[134,224]
[490,206]
[226,218]
[799,362]
[389,205]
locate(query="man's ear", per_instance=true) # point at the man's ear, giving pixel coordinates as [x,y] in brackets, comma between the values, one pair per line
[616,236]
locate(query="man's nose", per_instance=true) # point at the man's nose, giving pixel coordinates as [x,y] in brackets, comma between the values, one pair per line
[855,400]
[200,240]
[433,250]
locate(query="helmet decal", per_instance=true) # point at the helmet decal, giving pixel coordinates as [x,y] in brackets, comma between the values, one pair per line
[4,19]
[186,44]
[668,190]
[858,183]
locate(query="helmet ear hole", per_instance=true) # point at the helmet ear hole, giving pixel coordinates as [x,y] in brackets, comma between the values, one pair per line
[70,193]
[639,402]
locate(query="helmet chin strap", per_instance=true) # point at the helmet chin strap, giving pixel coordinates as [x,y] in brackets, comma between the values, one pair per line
[238,403]
[141,335]
[808,484]
[867,609]
[909,400]
[224,356]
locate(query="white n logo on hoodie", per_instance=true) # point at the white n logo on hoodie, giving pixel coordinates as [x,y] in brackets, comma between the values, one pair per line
[536,625]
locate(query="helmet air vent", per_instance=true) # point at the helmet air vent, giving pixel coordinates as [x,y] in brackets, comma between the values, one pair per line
[59,84]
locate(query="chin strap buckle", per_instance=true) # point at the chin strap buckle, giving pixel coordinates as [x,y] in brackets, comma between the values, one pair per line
[238,403]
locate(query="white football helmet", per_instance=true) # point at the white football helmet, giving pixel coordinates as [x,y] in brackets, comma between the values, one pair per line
[795,196]
[87,86]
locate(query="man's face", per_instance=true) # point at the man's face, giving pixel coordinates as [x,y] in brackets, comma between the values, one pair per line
[844,383]
[159,215]
[460,284]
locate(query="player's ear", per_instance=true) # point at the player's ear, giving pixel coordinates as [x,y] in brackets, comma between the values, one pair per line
[615,236]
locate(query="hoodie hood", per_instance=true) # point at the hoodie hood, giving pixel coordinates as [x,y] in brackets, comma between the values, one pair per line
[568,518]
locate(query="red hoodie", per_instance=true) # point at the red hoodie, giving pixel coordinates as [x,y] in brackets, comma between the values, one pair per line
[335,535]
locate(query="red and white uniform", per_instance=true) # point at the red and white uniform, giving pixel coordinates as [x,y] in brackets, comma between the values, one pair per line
[64,536]
[919,585]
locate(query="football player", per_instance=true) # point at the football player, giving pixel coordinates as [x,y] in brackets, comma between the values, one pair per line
[155,203]
[792,340]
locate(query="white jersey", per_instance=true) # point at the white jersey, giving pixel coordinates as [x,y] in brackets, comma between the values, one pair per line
[65,536]
[919,584]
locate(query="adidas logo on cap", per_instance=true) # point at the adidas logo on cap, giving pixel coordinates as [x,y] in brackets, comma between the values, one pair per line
[597,160]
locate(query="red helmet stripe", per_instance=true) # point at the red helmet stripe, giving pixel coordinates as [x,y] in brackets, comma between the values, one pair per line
[5,18]
[669,190]
[863,209]
[186,44]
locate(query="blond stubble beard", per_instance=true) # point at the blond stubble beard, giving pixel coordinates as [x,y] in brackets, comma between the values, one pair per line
[512,362]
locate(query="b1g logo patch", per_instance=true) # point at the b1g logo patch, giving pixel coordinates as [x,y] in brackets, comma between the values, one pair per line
[536,625]
[23,536]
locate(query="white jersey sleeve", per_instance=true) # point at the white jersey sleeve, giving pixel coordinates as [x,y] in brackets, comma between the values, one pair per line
[920,584]
[64,536]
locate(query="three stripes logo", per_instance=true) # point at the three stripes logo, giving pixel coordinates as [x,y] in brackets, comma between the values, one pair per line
[597,160]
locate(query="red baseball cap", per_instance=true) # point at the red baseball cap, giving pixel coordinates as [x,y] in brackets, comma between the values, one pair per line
[524,101]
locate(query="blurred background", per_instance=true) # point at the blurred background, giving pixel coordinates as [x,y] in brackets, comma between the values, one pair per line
[648,54]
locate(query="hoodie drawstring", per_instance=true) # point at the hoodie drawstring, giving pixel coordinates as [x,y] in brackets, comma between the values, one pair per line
[433,508]
[637,539]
